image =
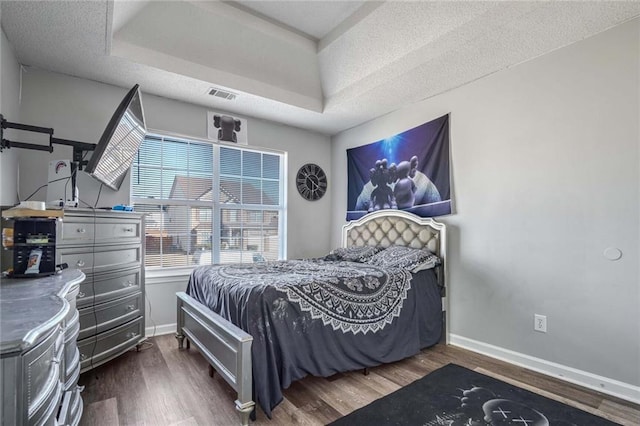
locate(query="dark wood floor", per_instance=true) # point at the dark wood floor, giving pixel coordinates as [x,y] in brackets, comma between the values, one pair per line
[162,385]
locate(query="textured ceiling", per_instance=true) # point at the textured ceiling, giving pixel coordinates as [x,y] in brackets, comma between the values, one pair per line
[323,66]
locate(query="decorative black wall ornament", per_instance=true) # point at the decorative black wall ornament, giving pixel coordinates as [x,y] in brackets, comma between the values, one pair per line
[223,127]
[228,127]
[311,182]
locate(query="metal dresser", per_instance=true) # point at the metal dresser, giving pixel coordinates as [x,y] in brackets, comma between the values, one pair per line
[40,363]
[108,247]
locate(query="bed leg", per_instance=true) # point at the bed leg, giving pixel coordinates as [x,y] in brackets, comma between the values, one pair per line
[212,371]
[365,371]
[245,411]
[180,338]
[188,344]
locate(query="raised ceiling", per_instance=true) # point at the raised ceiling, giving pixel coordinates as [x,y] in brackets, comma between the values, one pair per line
[320,65]
[313,18]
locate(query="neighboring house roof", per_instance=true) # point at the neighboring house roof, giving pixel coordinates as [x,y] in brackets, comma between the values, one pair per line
[199,188]
[191,188]
[202,227]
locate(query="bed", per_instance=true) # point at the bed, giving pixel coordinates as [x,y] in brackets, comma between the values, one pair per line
[263,326]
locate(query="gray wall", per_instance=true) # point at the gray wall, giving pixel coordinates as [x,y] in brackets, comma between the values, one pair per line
[79,109]
[545,175]
[9,107]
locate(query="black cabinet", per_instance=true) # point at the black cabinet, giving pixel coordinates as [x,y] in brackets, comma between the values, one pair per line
[34,247]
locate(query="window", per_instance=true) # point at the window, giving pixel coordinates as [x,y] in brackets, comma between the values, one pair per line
[208,203]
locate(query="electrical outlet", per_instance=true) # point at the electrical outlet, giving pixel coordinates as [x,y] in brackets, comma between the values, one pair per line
[540,323]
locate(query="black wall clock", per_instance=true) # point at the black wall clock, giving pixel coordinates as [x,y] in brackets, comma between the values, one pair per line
[311,182]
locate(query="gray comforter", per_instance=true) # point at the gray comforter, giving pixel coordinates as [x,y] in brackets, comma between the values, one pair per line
[320,317]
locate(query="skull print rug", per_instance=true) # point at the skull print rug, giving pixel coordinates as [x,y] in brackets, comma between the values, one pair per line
[456,396]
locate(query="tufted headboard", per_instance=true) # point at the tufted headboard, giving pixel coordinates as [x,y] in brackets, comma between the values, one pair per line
[398,227]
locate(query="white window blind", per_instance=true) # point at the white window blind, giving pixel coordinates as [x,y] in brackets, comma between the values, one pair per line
[208,203]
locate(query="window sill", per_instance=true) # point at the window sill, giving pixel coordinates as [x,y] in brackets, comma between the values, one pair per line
[167,275]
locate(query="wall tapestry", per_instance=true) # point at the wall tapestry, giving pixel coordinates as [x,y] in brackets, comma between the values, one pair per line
[226,128]
[408,171]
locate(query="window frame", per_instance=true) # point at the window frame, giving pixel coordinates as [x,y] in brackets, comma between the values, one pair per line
[215,204]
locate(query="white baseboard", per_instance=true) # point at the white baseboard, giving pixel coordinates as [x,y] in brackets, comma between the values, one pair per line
[573,375]
[160,330]
[583,378]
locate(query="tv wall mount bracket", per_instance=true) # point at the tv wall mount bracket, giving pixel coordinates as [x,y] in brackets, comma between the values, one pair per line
[79,148]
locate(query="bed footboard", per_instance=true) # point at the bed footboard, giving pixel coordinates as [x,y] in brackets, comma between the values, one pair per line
[226,347]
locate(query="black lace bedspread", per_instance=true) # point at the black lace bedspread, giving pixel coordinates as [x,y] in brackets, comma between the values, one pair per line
[320,317]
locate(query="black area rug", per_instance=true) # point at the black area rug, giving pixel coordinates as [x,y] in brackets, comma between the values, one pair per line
[456,396]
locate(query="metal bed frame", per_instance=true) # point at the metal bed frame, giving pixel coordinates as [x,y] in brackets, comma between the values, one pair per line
[227,348]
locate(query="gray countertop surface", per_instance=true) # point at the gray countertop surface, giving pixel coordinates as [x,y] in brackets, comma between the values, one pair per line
[30,307]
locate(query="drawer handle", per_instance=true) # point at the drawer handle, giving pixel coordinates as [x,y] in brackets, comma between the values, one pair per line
[131,335]
[127,284]
[81,230]
[83,357]
[128,229]
[131,307]
[81,295]
[80,263]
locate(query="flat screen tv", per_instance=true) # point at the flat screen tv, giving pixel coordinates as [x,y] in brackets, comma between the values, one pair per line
[119,142]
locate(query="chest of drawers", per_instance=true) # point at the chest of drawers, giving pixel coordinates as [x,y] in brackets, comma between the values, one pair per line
[108,247]
[40,362]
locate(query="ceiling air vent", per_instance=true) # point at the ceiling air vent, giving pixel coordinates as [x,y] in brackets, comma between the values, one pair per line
[219,93]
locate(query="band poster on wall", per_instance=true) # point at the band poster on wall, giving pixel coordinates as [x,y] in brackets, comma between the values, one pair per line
[408,171]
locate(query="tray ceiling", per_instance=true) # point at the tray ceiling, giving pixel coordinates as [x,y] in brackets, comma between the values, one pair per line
[320,65]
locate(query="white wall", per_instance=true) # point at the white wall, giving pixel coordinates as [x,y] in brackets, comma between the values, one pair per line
[9,108]
[79,109]
[545,177]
